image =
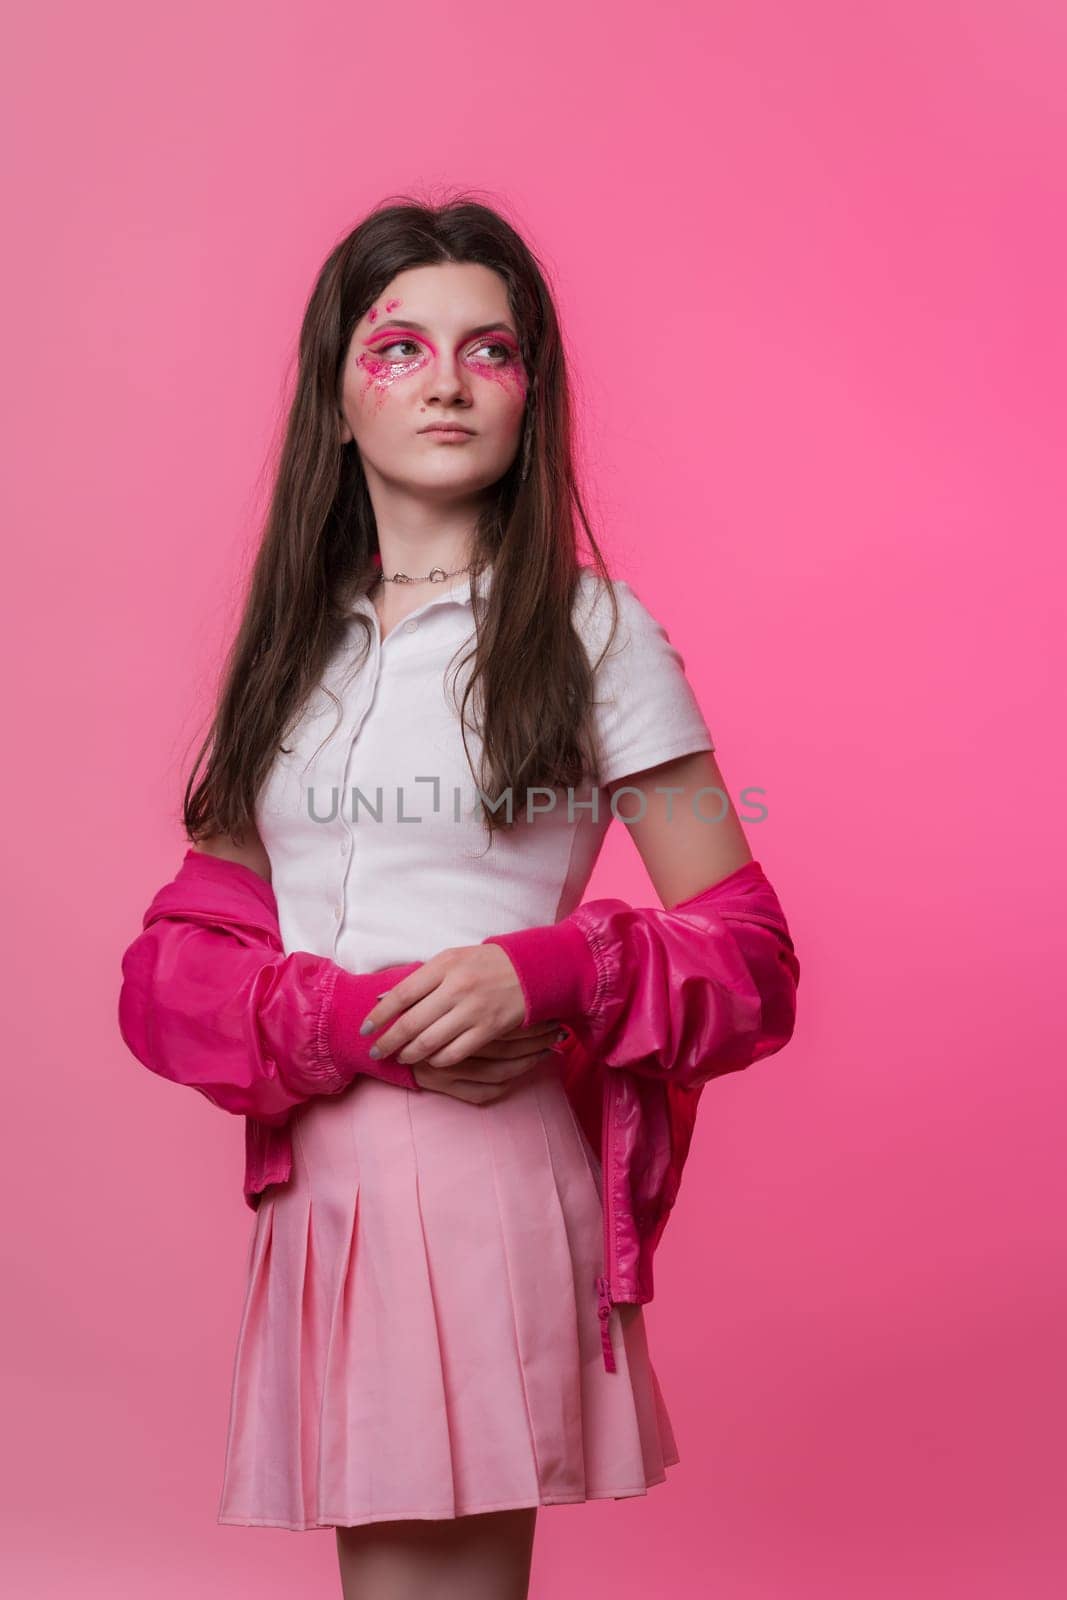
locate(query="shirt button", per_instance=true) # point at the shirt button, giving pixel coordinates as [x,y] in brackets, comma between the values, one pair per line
[409,627]
[337,913]
[344,847]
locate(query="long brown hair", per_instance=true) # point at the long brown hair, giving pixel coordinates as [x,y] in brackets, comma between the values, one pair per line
[320,541]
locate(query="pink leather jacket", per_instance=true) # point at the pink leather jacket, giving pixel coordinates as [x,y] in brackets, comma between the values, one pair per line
[655,1002]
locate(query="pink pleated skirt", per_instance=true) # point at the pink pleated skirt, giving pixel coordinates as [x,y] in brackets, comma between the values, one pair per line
[419,1336]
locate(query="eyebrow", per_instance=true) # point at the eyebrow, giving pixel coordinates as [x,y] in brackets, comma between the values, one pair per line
[406,322]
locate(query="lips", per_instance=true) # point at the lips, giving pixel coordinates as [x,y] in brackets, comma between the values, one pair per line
[446,427]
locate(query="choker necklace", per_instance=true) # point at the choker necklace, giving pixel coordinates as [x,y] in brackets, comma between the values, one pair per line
[435,575]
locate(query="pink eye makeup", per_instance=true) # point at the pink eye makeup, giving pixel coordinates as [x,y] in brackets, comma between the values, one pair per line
[381,374]
[385,345]
[398,351]
[504,352]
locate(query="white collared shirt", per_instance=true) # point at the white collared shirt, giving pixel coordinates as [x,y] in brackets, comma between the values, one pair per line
[372,821]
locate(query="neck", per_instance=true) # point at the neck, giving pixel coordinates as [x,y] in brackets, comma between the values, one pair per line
[415,534]
[419,567]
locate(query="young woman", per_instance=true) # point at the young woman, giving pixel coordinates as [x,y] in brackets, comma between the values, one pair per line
[428,708]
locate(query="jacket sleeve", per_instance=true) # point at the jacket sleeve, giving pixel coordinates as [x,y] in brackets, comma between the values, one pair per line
[688,994]
[215,1003]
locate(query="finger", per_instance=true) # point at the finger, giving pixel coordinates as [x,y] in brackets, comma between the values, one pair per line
[498,1071]
[496,1081]
[536,1030]
[443,1021]
[391,1003]
[467,995]
[496,1050]
[440,1011]
[551,1041]
[490,1064]
[480,1069]
[448,1041]
[477,1093]
[536,1037]
[458,1088]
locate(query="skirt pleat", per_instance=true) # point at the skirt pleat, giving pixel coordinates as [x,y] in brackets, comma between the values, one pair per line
[419,1335]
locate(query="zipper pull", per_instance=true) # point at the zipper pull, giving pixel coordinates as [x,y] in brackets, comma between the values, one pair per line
[604,1312]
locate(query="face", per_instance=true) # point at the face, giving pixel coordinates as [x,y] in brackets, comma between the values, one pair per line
[438,346]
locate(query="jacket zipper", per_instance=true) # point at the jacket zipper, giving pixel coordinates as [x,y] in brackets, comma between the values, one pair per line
[603,1283]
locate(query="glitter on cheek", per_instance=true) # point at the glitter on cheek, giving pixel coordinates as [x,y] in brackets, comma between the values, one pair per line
[511,378]
[381,375]
[391,305]
[372,314]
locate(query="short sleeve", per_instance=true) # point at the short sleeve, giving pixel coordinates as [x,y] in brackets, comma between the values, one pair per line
[646,710]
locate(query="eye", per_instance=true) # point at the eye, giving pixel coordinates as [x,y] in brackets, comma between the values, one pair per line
[396,344]
[504,351]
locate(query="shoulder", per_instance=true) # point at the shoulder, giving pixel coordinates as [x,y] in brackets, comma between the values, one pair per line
[611,611]
[646,709]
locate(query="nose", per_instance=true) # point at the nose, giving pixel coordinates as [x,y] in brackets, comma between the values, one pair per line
[446,381]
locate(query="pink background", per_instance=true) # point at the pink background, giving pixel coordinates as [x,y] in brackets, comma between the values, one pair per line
[810,260]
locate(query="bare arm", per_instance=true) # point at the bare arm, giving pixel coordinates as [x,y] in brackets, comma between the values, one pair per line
[679,836]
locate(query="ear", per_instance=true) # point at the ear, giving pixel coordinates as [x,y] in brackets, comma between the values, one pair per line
[346,431]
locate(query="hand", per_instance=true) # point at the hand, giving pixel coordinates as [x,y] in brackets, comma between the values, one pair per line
[495,1072]
[450,1009]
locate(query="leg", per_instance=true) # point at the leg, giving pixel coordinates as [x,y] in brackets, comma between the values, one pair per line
[486,1556]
